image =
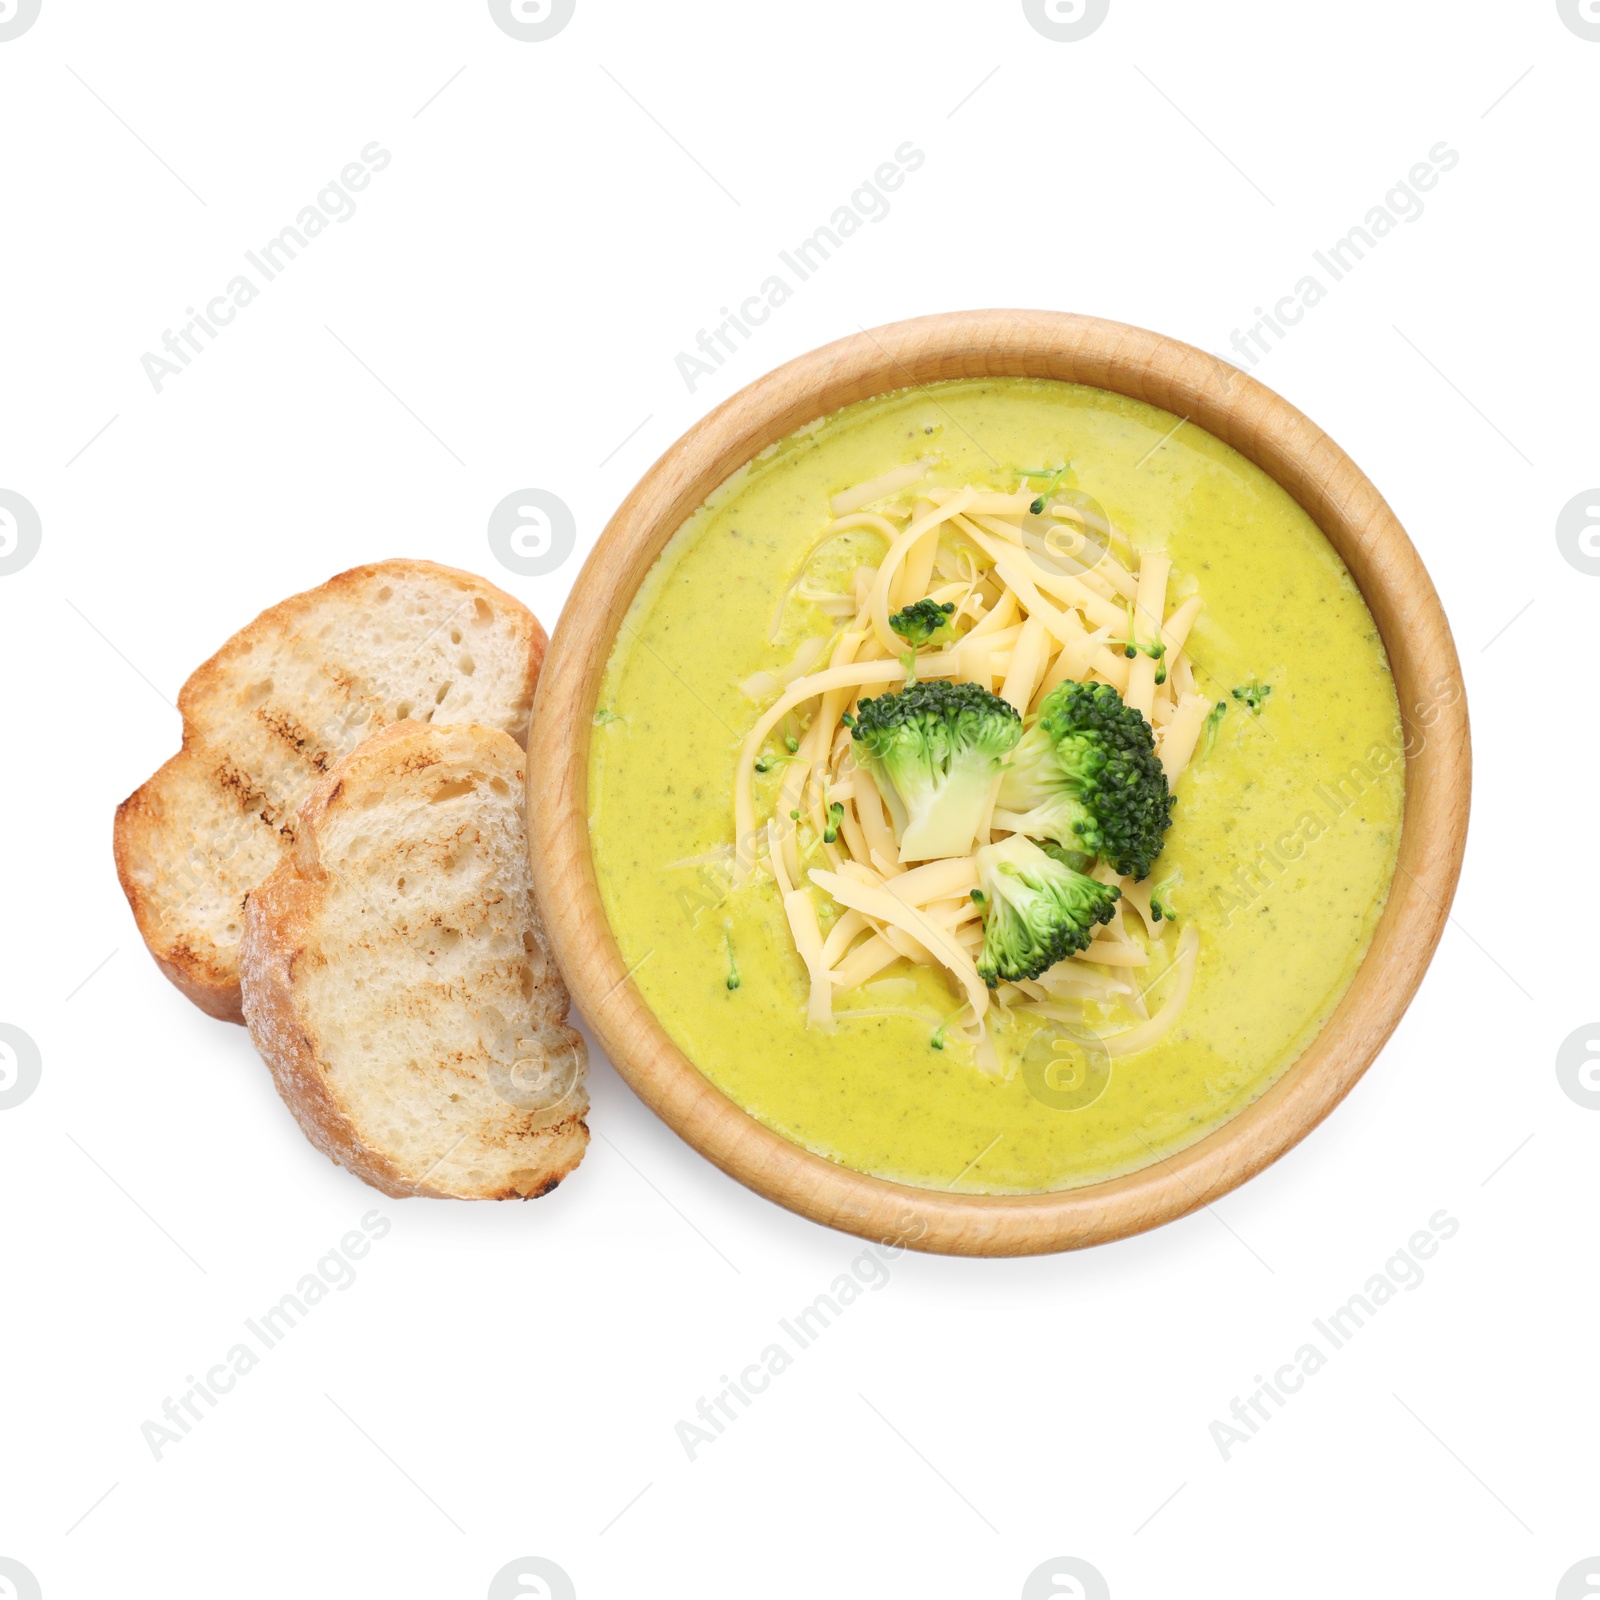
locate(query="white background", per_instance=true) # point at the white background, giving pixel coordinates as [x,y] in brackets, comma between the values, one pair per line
[505,1381]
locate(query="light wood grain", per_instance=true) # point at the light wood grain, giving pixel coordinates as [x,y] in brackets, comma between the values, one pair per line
[1190,384]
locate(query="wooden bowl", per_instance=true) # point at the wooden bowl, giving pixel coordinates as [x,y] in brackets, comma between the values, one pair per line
[1037,344]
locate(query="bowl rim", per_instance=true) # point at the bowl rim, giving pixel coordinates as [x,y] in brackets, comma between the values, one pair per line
[1187,383]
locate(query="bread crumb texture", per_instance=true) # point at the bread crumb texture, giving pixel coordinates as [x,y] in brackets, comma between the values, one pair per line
[274,710]
[397,979]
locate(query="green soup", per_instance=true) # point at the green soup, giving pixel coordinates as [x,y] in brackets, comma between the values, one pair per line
[1284,836]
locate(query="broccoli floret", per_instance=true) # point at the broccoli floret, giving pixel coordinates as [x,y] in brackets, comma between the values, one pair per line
[1052,476]
[1212,728]
[1161,907]
[935,751]
[1086,776]
[835,816]
[1253,695]
[1037,910]
[922,622]
[1078,860]
[1133,645]
[941,1034]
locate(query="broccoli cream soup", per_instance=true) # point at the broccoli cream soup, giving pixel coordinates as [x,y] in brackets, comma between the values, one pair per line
[995,785]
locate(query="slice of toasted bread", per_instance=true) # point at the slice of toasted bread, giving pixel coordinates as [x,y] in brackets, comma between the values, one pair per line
[396,977]
[273,710]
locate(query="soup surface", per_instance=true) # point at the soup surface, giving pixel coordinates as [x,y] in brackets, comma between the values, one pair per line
[1281,850]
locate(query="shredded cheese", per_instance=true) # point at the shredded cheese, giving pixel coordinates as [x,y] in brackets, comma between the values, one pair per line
[1182,734]
[801,911]
[880,488]
[1149,607]
[841,936]
[937,880]
[878,599]
[1023,671]
[1022,624]
[1185,960]
[895,913]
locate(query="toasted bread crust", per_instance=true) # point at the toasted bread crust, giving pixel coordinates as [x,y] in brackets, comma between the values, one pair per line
[191,966]
[278,932]
[281,937]
[153,827]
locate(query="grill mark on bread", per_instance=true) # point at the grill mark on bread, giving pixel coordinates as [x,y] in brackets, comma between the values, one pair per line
[215,819]
[188,956]
[395,1067]
[233,780]
[250,796]
[284,727]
